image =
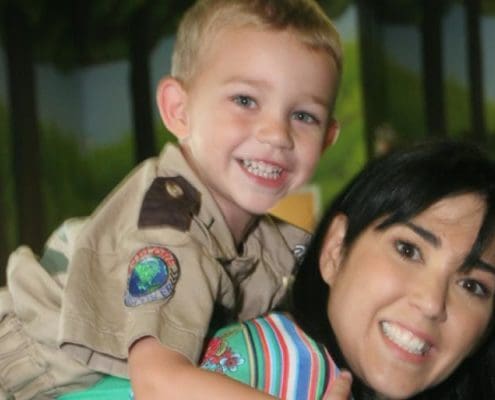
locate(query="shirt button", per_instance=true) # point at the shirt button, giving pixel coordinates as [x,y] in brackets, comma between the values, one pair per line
[287,281]
[173,189]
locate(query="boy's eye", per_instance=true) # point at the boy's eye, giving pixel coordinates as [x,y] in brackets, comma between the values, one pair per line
[244,101]
[474,287]
[408,250]
[305,117]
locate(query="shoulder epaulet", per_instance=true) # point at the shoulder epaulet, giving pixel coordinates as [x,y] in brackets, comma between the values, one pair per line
[170,201]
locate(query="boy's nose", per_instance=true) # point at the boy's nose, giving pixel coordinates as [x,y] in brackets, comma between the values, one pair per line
[429,295]
[276,133]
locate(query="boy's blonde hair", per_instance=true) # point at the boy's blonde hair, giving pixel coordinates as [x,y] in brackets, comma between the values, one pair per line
[207,17]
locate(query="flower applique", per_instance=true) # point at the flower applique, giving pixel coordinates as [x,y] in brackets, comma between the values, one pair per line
[219,357]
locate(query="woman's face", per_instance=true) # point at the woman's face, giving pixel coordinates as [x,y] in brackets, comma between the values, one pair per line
[404,313]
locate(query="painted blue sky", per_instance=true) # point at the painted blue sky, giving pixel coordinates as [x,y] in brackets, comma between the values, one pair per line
[403,43]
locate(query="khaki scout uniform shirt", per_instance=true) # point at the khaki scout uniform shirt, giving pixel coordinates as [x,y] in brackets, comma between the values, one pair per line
[110,301]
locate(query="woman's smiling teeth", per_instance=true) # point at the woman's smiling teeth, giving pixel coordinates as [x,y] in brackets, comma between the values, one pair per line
[262,169]
[405,339]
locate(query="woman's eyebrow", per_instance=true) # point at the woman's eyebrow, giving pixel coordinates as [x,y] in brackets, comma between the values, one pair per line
[430,237]
[425,234]
[485,266]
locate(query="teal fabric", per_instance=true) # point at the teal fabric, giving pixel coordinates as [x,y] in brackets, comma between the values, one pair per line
[107,388]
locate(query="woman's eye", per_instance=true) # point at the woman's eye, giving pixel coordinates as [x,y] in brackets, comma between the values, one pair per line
[305,117]
[408,250]
[244,101]
[474,287]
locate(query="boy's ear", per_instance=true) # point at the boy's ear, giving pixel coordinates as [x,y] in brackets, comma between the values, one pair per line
[171,99]
[332,134]
[332,251]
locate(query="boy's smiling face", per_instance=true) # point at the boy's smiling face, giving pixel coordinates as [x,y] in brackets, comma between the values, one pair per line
[256,118]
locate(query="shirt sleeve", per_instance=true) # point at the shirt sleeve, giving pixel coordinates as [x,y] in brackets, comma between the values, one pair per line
[112,299]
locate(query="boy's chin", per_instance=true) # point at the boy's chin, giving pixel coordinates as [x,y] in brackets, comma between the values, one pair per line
[260,206]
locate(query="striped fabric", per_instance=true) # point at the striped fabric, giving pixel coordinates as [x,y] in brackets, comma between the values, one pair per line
[272,354]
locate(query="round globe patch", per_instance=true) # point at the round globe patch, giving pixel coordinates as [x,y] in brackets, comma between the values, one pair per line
[152,275]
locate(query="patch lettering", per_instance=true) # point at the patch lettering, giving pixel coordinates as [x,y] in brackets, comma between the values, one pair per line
[152,275]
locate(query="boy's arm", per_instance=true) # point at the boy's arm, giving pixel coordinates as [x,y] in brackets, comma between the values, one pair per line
[157,372]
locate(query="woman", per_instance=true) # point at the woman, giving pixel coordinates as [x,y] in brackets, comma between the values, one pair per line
[398,286]
[405,289]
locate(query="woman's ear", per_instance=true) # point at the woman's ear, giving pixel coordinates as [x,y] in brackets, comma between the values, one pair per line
[332,251]
[171,99]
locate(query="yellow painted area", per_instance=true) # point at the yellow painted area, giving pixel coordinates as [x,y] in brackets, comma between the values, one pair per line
[300,208]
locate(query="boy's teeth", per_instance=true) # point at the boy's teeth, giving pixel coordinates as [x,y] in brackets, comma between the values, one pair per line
[405,339]
[260,168]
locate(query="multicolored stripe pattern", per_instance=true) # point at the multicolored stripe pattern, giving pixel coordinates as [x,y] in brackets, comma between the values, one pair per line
[272,354]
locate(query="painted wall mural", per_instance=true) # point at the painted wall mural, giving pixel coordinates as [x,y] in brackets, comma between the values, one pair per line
[77,137]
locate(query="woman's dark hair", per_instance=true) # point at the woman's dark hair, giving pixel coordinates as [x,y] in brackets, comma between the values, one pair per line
[397,187]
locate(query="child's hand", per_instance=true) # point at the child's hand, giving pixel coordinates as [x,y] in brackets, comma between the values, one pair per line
[341,387]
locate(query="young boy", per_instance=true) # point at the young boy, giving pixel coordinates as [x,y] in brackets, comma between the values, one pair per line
[183,241]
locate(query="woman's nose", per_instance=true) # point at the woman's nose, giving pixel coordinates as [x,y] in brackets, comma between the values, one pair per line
[429,295]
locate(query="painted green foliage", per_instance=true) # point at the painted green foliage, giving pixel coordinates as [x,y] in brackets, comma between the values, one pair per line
[75,33]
